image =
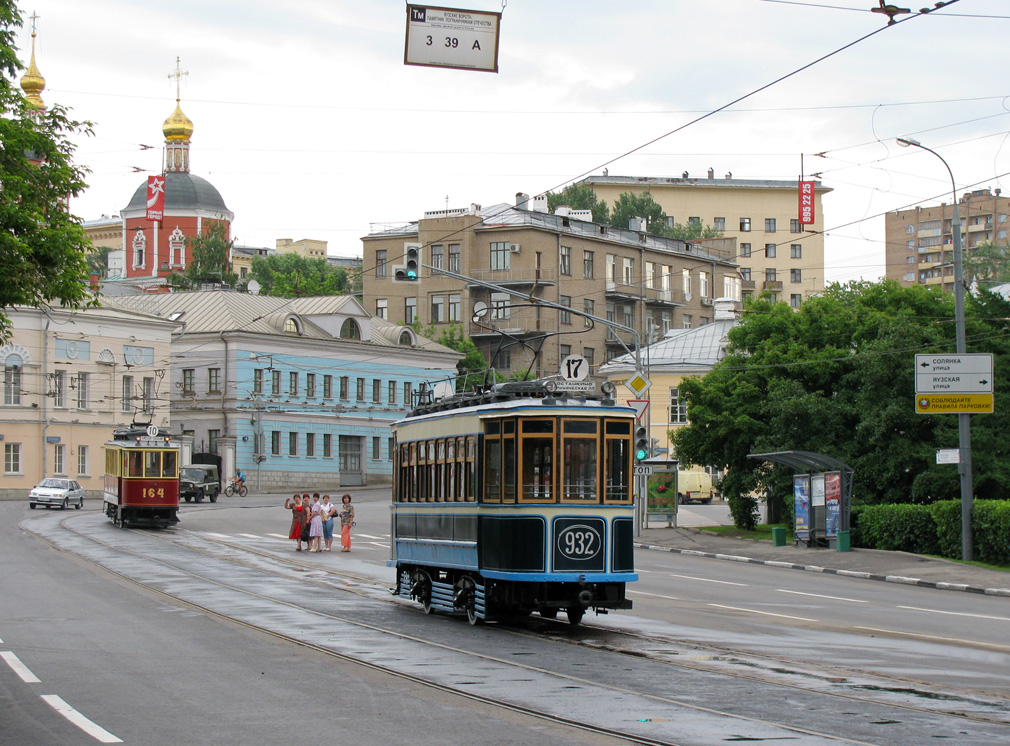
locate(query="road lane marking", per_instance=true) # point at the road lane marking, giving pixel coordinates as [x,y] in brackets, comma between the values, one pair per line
[654,595]
[20,668]
[765,613]
[279,536]
[369,536]
[378,544]
[91,728]
[957,613]
[216,535]
[978,643]
[818,595]
[251,536]
[707,580]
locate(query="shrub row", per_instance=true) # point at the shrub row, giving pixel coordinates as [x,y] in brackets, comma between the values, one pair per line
[935,529]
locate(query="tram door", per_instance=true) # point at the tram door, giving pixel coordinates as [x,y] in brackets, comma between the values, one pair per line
[351,472]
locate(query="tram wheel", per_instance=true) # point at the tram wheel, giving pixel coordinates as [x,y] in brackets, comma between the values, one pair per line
[575,614]
[421,588]
[549,613]
[468,588]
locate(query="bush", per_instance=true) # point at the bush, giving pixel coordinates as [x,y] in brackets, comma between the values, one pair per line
[905,528]
[947,517]
[744,510]
[991,521]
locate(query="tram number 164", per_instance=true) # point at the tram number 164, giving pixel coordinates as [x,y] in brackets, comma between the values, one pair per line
[152,492]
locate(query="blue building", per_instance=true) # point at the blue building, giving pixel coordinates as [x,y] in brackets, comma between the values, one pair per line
[297,393]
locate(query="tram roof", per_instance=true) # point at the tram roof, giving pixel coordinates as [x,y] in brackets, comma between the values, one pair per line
[534,405]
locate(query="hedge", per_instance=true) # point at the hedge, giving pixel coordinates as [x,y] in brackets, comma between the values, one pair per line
[935,529]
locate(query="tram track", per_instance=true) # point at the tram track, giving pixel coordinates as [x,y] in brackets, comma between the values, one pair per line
[260,561]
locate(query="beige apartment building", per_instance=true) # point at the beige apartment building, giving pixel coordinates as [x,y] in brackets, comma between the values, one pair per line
[920,242]
[775,252]
[647,283]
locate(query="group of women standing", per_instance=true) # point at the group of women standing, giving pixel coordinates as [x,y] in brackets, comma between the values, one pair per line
[312,521]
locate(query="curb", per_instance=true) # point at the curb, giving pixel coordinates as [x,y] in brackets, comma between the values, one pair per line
[938,585]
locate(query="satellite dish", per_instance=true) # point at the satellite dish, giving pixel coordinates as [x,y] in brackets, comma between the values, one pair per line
[479,310]
[253,287]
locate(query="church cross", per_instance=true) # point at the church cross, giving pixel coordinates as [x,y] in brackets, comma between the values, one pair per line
[178,78]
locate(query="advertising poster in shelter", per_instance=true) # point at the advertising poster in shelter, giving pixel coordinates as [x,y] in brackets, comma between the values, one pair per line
[801,506]
[832,502]
[662,488]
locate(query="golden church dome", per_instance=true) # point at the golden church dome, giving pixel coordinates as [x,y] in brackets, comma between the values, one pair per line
[178,127]
[32,82]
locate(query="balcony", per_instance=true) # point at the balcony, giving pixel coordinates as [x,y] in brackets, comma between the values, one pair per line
[516,277]
[772,285]
[622,291]
[748,284]
[657,297]
[521,322]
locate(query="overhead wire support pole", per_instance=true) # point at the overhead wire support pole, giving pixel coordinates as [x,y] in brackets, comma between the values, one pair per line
[637,352]
[963,419]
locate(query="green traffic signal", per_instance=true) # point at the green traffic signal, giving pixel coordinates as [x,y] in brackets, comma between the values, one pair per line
[641,443]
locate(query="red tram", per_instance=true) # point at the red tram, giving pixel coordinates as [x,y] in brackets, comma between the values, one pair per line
[142,477]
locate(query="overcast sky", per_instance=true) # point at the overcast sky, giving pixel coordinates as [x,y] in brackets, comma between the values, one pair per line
[310,125]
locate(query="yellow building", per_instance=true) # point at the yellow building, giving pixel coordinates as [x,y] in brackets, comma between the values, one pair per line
[309,248]
[70,378]
[680,354]
[775,252]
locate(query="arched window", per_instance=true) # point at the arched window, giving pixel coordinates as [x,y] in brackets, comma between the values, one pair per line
[13,365]
[406,339]
[350,330]
[139,249]
[291,326]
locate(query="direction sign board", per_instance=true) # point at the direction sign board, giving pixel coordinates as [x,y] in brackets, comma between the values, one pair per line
[968,373]
[953,403]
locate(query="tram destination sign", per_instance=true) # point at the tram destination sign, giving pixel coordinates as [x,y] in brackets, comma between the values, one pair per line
[968,373]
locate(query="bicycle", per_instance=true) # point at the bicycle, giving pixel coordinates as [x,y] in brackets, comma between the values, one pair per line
[236,487]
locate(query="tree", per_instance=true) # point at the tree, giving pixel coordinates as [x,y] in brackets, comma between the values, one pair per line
[471,368]
[630,206]
[293,276]
[208,262]
[692,231]
[579,197]
[988,263]
[836,376]
[43,248]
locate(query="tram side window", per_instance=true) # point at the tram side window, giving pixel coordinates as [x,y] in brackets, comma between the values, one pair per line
[451,482]
[508,443]
[152,463]
[617,468]
[537,460]
[492,463]
[169,464]
[133,465]
[471,469]
[112,463]
[432,472]
[580,445]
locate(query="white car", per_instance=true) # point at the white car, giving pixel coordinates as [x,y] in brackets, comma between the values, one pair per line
[54,491]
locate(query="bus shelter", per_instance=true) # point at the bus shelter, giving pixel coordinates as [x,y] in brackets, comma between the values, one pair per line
[822,497]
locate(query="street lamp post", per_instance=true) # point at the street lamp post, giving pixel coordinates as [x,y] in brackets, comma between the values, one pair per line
[963,419]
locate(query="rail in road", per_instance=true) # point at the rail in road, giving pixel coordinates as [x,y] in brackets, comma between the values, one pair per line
[529,667]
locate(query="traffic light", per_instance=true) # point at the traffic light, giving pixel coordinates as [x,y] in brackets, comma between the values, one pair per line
[410,270]
[641,443]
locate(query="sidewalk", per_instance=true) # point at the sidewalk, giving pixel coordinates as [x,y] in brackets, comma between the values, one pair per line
[872,564]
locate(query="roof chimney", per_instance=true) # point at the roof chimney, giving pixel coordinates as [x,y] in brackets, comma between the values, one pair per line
[725,308]
[711,172]
[522,201]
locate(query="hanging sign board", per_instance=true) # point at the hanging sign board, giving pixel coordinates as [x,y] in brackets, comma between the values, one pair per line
[451,37]
[806,207]
[155,198]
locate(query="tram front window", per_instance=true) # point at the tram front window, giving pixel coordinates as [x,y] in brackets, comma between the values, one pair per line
[581,474]
[169,464]
[152,464]
[134,464]
[538,460]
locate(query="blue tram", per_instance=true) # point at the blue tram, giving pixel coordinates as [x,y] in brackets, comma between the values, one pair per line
[514,501]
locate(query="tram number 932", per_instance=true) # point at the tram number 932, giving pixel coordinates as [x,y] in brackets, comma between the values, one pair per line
[579,542]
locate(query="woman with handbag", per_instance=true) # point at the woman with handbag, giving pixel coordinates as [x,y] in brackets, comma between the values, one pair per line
[298,515]
[329,510]
[315,524]
[346,515]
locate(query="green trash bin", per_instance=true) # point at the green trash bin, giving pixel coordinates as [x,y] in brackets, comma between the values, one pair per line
[843,542]
[778,536]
